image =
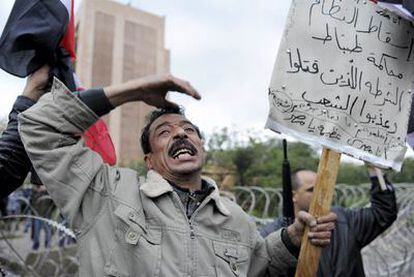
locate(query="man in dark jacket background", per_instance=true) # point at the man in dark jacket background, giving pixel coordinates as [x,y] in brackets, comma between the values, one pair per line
[355,228]
[14,162]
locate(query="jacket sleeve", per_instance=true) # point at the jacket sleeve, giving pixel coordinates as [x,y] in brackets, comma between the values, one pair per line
[74,175]
[368,223]
[14,162]
[270,256]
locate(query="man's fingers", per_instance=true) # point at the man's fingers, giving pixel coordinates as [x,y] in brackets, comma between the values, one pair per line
[323,227]
[320,242]
[331,217]
[320,235]
[184,87]
[307,218]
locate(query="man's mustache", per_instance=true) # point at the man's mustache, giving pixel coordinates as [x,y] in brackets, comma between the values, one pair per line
[181,143]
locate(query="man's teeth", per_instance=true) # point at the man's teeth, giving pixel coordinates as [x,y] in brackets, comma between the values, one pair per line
[182,152]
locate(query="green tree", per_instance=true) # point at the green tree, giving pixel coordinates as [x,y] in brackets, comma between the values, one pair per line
[256,161]
[352,174]
[406,175]
[138,166]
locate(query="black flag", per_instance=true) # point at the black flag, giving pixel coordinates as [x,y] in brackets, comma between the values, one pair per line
[32,37]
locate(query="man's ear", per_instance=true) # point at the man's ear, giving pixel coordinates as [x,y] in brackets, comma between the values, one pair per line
[294,199]
[147,160]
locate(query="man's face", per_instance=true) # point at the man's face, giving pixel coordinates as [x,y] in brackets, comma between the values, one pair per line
[303,195]
[176,148]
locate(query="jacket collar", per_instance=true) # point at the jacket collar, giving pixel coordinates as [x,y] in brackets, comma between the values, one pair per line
[155,185]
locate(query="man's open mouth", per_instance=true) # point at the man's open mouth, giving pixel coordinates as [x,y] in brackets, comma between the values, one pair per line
[182,148]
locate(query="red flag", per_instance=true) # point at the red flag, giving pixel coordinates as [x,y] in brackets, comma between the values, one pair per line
[97,136]
[68,41]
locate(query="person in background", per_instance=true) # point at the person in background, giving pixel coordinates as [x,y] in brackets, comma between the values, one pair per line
[13,208]
[42,206]
[14,162]
[355,228]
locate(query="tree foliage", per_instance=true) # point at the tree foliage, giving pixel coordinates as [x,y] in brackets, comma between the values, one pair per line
[257,161]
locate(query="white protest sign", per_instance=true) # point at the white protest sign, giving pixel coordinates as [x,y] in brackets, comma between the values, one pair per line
[343,79]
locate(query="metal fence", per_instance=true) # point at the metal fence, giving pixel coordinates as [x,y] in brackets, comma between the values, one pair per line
[391,254]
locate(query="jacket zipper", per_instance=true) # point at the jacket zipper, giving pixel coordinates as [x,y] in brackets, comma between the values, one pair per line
[190,224]
[190,221]
[177,198]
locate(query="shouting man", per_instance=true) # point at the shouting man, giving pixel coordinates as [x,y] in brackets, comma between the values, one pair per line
[174,223]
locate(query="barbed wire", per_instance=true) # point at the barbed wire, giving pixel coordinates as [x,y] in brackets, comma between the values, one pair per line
[391,254]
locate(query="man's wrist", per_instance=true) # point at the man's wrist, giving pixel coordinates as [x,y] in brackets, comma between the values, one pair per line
[32,94]
[290,245]
[123,93]
[293,235]
[96,100]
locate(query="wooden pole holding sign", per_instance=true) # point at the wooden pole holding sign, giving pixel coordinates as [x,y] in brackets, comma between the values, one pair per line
[342,79]
[321,205]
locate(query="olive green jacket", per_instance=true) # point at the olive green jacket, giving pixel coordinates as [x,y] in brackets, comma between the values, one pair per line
[127,226]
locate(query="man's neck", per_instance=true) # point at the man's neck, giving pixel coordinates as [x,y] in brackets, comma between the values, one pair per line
[192,183]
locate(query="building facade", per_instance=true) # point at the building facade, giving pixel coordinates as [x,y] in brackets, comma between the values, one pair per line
[117,43]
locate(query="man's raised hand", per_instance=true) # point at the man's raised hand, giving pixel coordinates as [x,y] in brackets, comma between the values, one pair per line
[36,83]
[152,90]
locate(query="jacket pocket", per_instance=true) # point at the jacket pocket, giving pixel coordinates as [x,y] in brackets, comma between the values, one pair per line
[133,226]
[137,247]
[231,259]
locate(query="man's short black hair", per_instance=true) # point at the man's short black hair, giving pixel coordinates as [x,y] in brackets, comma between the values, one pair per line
[295,179]
[151,117]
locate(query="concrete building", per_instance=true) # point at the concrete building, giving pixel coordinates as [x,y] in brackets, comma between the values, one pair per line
[116,43]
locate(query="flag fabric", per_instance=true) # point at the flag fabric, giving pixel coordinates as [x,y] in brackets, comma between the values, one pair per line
[68,41]
[403,8]
[41,32]
[98,139]
[32,34]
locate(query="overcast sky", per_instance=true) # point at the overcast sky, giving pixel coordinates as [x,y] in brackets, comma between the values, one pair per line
[225,48]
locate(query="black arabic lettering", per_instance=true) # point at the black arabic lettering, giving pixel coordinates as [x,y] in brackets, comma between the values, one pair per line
[375,92]
[332,82]
[388,38]
[356,49]
[393,98]
[326,38]
[281,100]
[371,28]
[334,12]
[316,2]
[385,14]
[334,104]
[383,64]
[301,65]
[379,120]
[354,80]
[359,144]
[297,119]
